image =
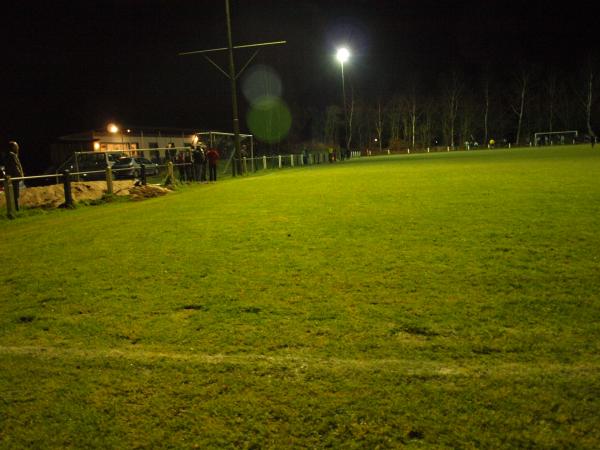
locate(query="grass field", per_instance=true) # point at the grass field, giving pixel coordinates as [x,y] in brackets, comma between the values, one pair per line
[439,300]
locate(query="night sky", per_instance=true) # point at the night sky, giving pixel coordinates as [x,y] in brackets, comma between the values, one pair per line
[74,66]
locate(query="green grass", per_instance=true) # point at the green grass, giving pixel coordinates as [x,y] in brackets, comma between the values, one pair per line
[437,300]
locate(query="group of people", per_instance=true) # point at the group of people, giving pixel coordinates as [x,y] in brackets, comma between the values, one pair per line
[332,154]
[10,165]
[192,164]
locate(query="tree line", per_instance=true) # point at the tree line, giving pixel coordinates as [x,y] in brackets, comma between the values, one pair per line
[460,108]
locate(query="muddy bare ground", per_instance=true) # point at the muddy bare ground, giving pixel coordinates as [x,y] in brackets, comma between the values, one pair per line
[53,196]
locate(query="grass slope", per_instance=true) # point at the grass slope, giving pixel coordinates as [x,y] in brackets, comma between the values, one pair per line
[447,300]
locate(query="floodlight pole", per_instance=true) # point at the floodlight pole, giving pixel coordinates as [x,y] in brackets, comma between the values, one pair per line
[232,78]
[342,56]
[345,109]
[234,104]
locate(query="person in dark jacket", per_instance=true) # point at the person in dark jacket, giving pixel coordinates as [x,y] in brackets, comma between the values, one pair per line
[180,163]
[199,163]
[204,163]
[13,168]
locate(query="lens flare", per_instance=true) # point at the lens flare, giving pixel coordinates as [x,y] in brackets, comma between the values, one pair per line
[261,81]
[269,119]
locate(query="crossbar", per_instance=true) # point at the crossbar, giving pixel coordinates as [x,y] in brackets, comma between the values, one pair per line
[221,49]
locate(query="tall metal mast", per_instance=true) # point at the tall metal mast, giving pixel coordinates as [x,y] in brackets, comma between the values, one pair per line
[231,74]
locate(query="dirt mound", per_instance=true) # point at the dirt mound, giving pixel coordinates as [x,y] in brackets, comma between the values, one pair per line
[54,195]
[148,191]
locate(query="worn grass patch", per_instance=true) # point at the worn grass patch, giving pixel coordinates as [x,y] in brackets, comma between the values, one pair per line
[447,300]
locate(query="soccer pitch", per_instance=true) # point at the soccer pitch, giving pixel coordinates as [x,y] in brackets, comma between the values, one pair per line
[444,300]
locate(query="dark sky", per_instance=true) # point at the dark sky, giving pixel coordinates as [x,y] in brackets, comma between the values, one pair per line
[76,65]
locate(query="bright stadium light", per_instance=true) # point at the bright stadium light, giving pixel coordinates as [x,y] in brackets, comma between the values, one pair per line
[342,55]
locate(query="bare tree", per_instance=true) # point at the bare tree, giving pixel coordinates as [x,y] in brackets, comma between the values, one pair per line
[452,92]
[332,120]
[469,111]
[550,98]
[394,114]
[317,124]
[350,118]
[412,116]
[522,84]
[589,100]
[486,107]
[378,122]
[565,113]
[425,128]
[361,123]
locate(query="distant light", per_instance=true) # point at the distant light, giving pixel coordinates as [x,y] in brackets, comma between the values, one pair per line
[375,139]
[128,130]
[342,55]
[96,145]
[112,128]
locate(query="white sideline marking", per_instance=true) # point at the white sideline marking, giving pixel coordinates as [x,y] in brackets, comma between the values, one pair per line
[406,366]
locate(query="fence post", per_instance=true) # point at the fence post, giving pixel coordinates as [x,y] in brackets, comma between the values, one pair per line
[67,185]
[109,181]
[279,160]
[170,177]
[143,174]
[245,165]
[265,162]
[292,160]
[10,198]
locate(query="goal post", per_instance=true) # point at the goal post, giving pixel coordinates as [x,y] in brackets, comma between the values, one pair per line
[225,144]
[543,138]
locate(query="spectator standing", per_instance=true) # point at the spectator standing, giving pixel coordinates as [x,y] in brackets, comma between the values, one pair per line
[198,157]
[168,155]
[181,166]
[241,167]
[204,164]
[13,168]
[213,158]
[189,169]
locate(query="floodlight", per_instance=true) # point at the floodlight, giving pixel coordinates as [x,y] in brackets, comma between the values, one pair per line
[342,55]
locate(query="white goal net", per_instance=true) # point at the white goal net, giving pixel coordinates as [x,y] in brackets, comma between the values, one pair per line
[555,137]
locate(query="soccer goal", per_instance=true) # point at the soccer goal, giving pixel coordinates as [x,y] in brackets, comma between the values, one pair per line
[555,137]
[224,143]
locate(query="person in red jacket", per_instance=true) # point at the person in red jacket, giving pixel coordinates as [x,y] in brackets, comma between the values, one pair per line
[213,158]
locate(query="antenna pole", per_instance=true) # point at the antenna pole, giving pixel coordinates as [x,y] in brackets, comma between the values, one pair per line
[234,103]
